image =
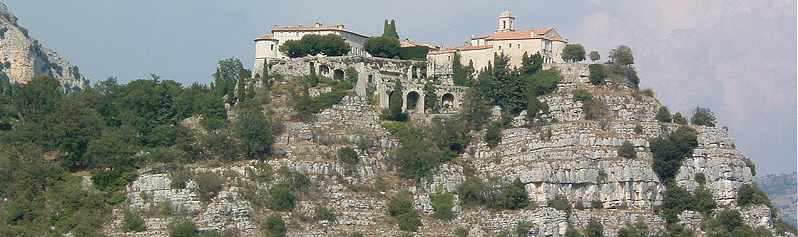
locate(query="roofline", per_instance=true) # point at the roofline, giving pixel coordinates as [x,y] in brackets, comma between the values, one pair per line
[278,29]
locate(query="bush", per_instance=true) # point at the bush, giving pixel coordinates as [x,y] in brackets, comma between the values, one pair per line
[254,132]
[313,44]
[471,191]
[703,117]
[208,185]
[512,196]
[704,202]
[522,228]
[183,228]
[573,53]
[582,95]
[627,150]
[598,74]
[348,156]
[678,118]
[274,226]
[383,47]
[594,229]
[281,198]
[560,202]
[460,232]
[749,194]
[493,136]
[596,204]
[594,56]
[639,229]
[413,53]
[669,151]
[442,203]
[401,208]
[675,201]
[572,232]
[663,115]
[638,129]
[323,213]
[133,222]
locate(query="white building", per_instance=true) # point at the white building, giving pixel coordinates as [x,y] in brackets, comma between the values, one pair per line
[268,46]
[507,40]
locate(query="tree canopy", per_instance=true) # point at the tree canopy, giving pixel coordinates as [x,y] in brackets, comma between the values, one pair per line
[313,44]
[573,53]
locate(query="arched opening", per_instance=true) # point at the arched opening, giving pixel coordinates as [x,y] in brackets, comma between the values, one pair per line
[412,101]
[324,69]
[447,102]
[338,74]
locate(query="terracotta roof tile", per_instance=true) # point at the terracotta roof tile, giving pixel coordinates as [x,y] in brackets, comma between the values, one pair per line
[514,35]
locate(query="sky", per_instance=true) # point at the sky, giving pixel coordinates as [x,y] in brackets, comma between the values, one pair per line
[737,57]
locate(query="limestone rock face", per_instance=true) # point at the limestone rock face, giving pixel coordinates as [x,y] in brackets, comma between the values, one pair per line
[23,58]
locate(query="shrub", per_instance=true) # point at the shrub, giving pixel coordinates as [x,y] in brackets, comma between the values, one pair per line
[323,213]
[522,228]
[663,115]
[395,103]
[703,117]
[401,208]
[703,200]
[383,47]
[281,198]
[594,228]
[594,56]
[572,232]
[179,178]
[639,229]
[579,205]
[675,201]
[254,132]
[573,53]
[183,228]
[460,232]
[493,136]
[274,226]
[678,118]
[513,196]
[627,150]
[596,204]
[348,156]
[208,185]
[471,191]
[133,222]
[442,203]
[669,151]
[413,53]
[560,202]
[701,178]
[582,95]
[598,74]
[749,194]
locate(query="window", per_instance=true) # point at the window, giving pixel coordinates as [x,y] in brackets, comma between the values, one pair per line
[272,47]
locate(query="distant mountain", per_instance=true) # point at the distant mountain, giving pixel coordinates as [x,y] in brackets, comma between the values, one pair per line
[782,188]
[23,58]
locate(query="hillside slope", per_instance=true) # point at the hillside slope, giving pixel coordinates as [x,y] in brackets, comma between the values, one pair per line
[23,58]
[782,188]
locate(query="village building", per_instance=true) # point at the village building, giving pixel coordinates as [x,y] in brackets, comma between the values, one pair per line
[267,47]
[479,50]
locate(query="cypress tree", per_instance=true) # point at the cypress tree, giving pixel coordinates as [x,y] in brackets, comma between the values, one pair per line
[395,102]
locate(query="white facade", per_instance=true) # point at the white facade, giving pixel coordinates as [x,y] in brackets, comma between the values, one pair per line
[268,46]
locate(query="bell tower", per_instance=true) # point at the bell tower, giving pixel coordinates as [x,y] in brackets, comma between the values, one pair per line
[506,21]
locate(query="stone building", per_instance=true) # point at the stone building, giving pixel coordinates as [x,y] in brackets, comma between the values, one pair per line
[480,49]
[267,47]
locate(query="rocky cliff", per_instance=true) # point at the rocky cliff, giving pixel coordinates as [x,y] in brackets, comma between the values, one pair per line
[567,156]
[23,58]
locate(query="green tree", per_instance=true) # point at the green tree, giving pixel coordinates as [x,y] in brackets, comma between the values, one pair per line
[401,208]
[531,64]
[622,55]
[749,194]
[383,47]
[112,157]
[678,118]
[37,98]
[664,115]
[293,49]
[594,56]
[704,202]
[493,136]
[598,74]
[669,151]
[281,198]
[676,200]
[227,74]
[132,222]
[573,53]
[348,156]
[703,117]
[209,185]
[442,203]
[274,226]
[639,229]
[183,228]
[594,228]
[395,103]
[254,132]
[389,30]
[572,232]
[430,97]
[513,196]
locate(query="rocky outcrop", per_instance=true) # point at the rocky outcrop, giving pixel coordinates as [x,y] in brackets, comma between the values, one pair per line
[23,58]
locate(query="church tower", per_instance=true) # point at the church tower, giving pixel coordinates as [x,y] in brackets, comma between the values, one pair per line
[506,21]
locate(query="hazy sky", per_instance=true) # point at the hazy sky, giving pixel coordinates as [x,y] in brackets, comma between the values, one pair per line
[737,57]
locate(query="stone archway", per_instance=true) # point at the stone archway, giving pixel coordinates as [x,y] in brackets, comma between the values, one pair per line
[324,69]
[447,102]
[412,100]
[338,74]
